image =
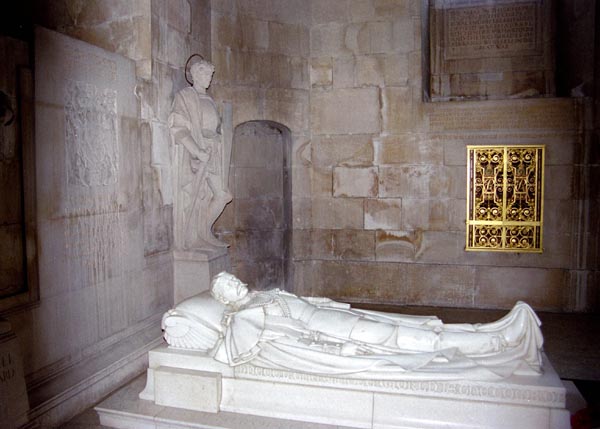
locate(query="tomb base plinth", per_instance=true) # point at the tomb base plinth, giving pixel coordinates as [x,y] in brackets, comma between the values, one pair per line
[193,270]
[247,393]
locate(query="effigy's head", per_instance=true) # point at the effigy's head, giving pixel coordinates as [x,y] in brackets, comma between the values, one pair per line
[227,288]
[201,72]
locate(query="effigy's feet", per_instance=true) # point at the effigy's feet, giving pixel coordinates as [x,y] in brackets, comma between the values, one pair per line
[513,332]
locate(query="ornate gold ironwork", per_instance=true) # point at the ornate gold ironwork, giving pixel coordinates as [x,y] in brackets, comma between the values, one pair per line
[505,198]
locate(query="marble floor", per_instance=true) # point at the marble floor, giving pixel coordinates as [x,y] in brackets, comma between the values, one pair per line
[571,342]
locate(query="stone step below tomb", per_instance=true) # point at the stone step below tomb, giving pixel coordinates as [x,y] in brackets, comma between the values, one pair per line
[124,409]
[270,399]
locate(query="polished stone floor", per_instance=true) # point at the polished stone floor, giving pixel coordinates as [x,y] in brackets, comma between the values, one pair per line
[571,342]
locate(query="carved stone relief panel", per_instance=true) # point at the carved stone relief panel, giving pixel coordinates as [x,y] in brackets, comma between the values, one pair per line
[91,135]
[89,168]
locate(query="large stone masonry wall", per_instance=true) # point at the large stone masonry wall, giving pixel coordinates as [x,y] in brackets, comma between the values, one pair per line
[592,172]
[260,50]
[121,26]
[388,176]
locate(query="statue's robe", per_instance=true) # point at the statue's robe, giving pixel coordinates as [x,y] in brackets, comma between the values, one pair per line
[195,115]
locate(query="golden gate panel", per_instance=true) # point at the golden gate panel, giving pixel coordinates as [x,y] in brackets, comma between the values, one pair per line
[505,198]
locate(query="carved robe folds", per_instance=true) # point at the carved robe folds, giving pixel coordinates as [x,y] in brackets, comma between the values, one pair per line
[194,115]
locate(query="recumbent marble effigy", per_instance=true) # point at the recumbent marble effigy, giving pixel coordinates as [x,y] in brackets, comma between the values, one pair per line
[276,329]
[276,354]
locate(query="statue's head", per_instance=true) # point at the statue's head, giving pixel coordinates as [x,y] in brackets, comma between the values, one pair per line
[227,288]
[200,71]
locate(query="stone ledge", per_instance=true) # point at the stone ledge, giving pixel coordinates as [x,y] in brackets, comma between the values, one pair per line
[68,392]
[411,402]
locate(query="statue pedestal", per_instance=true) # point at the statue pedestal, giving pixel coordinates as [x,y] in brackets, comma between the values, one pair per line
[194,269]
[14,403]
[179,381]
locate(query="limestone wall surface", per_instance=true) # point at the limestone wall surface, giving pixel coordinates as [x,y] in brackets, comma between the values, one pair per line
[388,175]
[103,208]
[379,174]
[119,26]
[260,50]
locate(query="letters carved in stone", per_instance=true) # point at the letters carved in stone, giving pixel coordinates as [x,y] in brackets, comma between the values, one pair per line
[488,31]
[492,392]
[484,49]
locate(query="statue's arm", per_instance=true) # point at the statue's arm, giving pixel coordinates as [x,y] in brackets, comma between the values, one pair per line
[192,147]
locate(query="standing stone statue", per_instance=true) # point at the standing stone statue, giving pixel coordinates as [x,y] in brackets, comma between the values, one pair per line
[200,166]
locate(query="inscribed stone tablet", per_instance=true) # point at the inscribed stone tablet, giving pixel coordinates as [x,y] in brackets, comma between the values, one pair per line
[481,49]
[493,31]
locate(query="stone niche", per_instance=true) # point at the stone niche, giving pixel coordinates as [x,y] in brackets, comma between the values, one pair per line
[490,49]
[257,222]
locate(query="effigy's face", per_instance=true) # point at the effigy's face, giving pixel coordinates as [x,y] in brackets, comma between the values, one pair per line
[234,289]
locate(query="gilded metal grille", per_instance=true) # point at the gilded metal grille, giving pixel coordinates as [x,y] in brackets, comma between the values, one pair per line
[505,198]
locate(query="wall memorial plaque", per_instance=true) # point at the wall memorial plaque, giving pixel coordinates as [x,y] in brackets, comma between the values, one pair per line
[485,49]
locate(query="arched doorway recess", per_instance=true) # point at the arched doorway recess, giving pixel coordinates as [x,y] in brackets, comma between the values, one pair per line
[258,222]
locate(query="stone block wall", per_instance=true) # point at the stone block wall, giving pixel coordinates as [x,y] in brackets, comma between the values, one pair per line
[592,172]
[379,175]
[388,176]
[260,50]
[122,26]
